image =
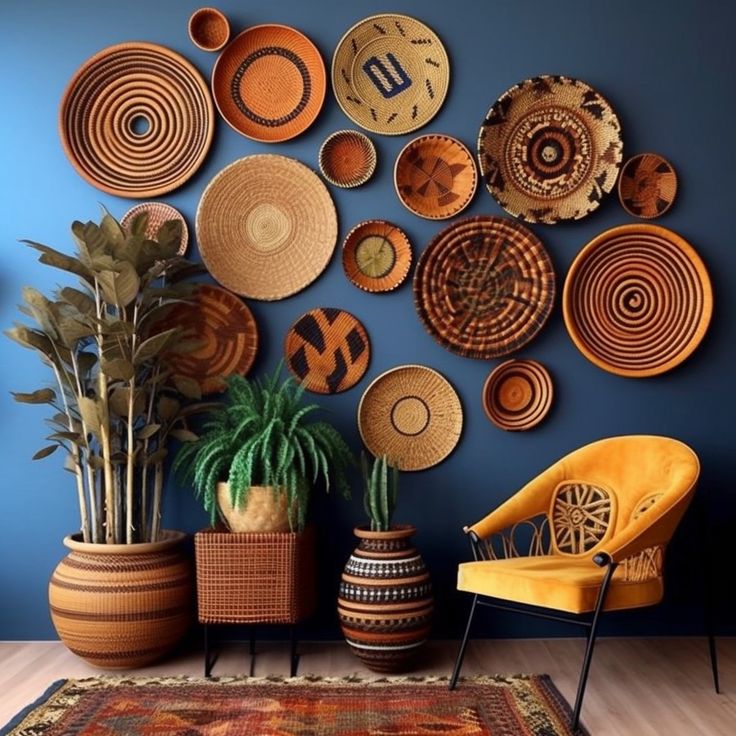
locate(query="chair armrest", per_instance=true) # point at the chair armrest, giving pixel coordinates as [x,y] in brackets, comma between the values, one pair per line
[533,499]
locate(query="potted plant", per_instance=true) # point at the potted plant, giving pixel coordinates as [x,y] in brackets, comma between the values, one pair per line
[253,467]
[385,601]
[122,597]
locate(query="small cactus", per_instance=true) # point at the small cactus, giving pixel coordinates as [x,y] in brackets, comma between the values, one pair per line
[381,489]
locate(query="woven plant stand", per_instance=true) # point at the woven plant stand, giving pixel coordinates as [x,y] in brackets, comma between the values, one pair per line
[255,579]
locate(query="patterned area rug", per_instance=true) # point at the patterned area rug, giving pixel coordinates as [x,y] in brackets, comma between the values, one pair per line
[304,706]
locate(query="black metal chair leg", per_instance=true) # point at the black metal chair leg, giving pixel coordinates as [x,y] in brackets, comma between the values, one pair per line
[714,661]
[210,657]
[463,645]
[252,650]
[294,655]
[599,560]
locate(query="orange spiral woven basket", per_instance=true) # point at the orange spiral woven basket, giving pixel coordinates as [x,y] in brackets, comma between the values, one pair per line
[136,120]
[637,300]
[347,158]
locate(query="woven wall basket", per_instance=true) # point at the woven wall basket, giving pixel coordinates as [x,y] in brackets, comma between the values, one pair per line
[209,29]
[435,176]
[550,148]
[637,300]
[647,186]
[347,158]
[328,350]
[517,394]
[484,287]
[376,255]
[411,414]
[269,83]
[266,226]
[226,333]
[158,214]
[136,120]
[390,74]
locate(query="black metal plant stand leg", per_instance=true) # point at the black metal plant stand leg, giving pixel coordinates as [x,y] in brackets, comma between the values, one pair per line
[463,645]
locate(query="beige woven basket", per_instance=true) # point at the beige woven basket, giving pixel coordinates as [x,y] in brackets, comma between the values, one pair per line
[255,578]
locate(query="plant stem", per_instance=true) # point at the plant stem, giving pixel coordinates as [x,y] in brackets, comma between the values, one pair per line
[158,483]
[130,449]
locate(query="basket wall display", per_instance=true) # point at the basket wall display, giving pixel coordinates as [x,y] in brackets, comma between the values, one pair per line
[435,176]
[347,158]
[209,29]
[549,149]
[647,186]
[390,74]
[484,287]
[637,300]
[517,395]
[412,415]
[269,83]
[225,332]
[376,255]
[158,214]
[256,577]
[328,350]
[266,226]
[136,120]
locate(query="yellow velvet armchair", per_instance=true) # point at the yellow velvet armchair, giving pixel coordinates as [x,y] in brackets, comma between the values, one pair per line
[587,535]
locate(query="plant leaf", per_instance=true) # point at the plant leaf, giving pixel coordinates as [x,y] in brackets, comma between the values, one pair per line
[184,435]
[148,431]
[89,410]
[117,369]
[168,408]
[188,387]
[154,345]
[41,396]
[45,452]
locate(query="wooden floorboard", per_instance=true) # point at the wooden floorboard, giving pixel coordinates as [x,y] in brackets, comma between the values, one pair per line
[637,687]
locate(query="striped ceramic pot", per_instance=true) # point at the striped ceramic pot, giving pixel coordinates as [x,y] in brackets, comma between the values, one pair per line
[120,606]
[385,602]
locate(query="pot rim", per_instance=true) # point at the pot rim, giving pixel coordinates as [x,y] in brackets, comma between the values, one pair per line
[168,538]
[396,531]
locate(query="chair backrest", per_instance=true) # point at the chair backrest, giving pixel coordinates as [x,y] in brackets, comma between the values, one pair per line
[607,485]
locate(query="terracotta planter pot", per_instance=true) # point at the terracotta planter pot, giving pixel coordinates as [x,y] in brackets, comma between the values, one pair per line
[385,602]
[265,511]
[120,606]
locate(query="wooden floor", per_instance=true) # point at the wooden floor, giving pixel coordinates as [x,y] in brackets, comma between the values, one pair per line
[637,687]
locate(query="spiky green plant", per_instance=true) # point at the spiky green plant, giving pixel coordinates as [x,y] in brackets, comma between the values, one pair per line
[261,436]
[105,342]
[381,489]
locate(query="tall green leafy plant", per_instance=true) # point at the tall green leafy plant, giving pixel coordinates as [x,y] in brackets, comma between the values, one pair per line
[380,491]
[264,436]
[114,405]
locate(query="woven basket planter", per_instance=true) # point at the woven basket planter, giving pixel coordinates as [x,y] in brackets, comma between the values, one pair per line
[254,578]
[120,606]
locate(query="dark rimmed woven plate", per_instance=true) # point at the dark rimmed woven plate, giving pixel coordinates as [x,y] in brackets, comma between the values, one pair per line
[484,287]
[435,176]
[158,214]
[328,350]
[269,83]
[347,158]
[225,332]
[376,255]
[549,149]
[136,120]
[390,74]
[411,414]
[637,300]
[647,185]
[517,394]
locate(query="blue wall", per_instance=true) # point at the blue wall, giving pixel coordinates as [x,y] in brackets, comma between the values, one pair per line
[668,70]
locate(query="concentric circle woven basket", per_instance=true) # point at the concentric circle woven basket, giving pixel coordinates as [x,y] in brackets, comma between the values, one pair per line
[550,148]
[484,286]
[517,395]
[347,158]
[413,415]
[435,176]
[158,214]
[637,300]
[136,120]
[390,74]
[269,83]
[266,226]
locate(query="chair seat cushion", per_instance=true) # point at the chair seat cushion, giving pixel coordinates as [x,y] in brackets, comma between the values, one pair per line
[555,581]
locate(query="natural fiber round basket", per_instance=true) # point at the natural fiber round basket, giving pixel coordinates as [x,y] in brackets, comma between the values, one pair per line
[647,185]
[209,29]
[266,226]
[412,415]
[158,214]
[347,158]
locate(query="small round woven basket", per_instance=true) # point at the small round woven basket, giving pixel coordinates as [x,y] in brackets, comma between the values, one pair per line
[412,415]
[158,214]
[647,185]
[209,29]
[266,226]
[347,158]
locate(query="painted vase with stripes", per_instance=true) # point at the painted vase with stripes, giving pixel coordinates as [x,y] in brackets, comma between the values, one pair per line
[120,606]
[385,602]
